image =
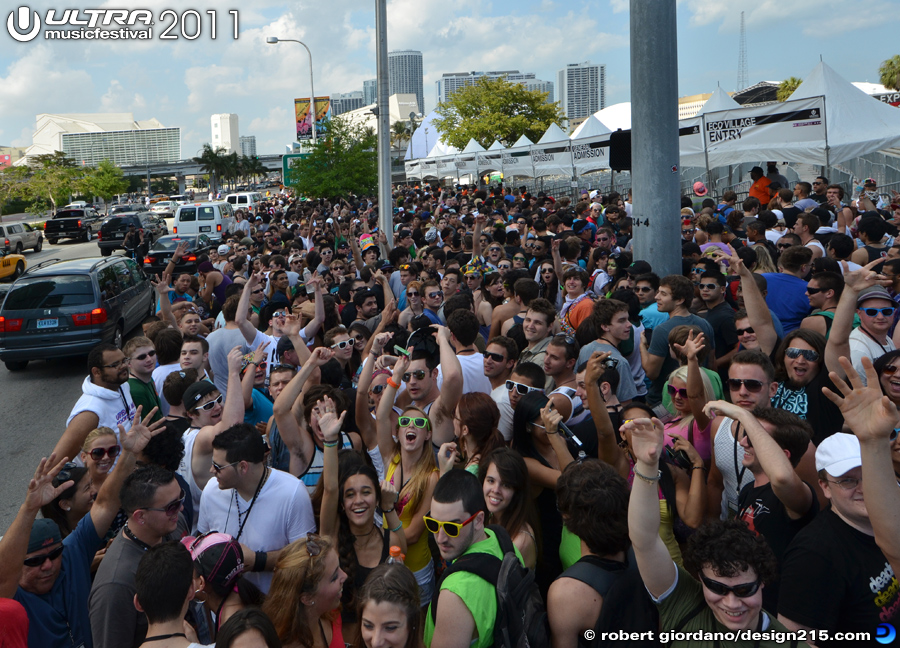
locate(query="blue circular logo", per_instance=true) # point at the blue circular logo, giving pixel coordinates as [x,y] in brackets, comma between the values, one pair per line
[885,633]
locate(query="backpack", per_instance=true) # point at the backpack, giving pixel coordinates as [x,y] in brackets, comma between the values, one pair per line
[521,614]
[626,604]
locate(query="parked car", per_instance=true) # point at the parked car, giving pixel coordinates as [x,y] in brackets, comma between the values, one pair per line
[66,308]
[160,254]
[15,237]
[136,207]
[215,219]
[155,198]
[247,200]
[164,208]
[78,223]
[12,265]
[113,231]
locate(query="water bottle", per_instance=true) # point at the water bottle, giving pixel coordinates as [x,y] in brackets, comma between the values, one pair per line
[395,556]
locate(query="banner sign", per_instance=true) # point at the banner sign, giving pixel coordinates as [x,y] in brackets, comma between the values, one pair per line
[552,159]
[304,118]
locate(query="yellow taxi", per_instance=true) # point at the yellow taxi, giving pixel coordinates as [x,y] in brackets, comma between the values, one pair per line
[11,265]
[157,197]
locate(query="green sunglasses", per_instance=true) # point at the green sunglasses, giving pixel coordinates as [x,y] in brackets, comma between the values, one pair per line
[418,421]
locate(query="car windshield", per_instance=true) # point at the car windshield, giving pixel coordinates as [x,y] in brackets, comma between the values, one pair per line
[169,243]
[50,292]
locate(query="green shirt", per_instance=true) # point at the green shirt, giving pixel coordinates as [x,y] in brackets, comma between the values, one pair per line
[479,596]
[144,394]
[681,602]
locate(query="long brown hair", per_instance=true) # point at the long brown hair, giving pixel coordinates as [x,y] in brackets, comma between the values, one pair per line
[480,414]
[296,573]
[514,473]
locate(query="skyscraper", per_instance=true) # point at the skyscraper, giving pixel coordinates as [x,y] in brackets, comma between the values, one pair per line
[248,145]
[405,71]
[453,81]
[346,101]
[582,89]
[225,132]
[370,92]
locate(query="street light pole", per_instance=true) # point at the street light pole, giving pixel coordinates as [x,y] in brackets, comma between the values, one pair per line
[385,203]
[271,40]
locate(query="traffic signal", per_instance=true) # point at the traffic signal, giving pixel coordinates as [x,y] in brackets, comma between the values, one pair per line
[620,150]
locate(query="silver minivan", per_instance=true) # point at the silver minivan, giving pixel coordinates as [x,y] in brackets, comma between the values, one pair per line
[215,219]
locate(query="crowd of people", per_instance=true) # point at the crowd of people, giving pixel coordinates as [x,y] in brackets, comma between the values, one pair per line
[321,440]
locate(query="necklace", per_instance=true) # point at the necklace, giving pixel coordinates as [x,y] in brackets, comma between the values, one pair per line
[365,535]
[130,535]
[246,514]
[162,637]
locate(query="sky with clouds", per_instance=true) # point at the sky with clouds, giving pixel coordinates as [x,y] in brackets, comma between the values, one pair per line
[182,82]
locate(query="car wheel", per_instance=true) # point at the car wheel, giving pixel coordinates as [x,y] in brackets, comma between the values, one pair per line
[16,365]
[119,336]
[40,244]
[88,235]
[19,247]
[105,251]
[20,269]
[52,241]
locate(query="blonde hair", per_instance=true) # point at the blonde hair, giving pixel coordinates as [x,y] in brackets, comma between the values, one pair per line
[764,262]
[296,573]
[708,392]
[93,435]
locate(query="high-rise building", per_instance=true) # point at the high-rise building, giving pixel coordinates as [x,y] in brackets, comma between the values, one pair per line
[450,83]
[225,132]
[248,145]
[370,92]
[347,101]
[582,89]
[405,72]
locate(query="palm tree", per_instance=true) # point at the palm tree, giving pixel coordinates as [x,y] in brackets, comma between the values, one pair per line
[786,88]
[211,162]
[400,132]
[889,73]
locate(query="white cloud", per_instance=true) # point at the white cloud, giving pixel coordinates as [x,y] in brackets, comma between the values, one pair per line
[40,82]
[275,120]
[118,99]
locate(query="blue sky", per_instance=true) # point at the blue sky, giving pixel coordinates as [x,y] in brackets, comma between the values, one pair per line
[182,82]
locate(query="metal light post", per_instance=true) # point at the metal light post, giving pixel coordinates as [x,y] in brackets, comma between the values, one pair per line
[272,40]
[385,202]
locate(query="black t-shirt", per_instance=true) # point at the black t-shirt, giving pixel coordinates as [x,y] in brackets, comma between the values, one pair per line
[721,318]
[835,578]
[765,514]
[811,404]
[790,216]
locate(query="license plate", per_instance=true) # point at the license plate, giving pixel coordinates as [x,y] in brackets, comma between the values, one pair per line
[47,323]
[205,229]
[118,236]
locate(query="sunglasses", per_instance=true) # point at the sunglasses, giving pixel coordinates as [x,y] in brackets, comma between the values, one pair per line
[358,338]
[568,338]
[496,357]
[814,291]
[889,370]
[37,561]
[412,294]
[208,406]
[377,389]
[418,374]
[172,507]
[435,294]
[504,266]
[783,246]
[452,529]
[753,386]
[65,474]
[519,258]
[547,271]
[343,344]
[495,249]
[279,314]
[743,590]
[642,289]
[144,356]
[217,468]
[415,421]
[698,270]
[113,451]
[887,311]
[682,393]
[740,332]
[711,286]
[687,231]
[793,353]
[522,389]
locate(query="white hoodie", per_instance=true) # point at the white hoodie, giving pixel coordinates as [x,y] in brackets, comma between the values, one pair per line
[111,407]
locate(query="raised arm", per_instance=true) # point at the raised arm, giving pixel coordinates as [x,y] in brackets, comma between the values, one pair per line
[690,485]
[364,421]
[444,407]
[539,473]
[232,414]
[557,260]
[695,390]
[354,249]
[240,317]
[249,378]
[654,562]
[384,425]
[162,291]
[330,425]
[476,236]
[14,543]
[180,250]
[72,439]
[607,448]
[755,304]
[310,330]
[838,341]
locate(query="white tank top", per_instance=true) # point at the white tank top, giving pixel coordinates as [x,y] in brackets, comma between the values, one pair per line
[187,472]
[729,457]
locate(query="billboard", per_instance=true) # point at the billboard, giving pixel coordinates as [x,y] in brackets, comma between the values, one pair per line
[304,119]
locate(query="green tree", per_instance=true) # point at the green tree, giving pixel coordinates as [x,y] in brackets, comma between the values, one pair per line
[400,133]
[341,162]
[786,88]
[212,161]
[495,109]
[889,73]
[54,178]
[105,180]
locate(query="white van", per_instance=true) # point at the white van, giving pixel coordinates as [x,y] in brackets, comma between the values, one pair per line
[215,219]
[248,200]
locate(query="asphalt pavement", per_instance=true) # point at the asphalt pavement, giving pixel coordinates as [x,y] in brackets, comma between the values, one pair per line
[35,403]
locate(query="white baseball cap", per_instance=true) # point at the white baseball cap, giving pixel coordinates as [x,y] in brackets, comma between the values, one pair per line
[838,454]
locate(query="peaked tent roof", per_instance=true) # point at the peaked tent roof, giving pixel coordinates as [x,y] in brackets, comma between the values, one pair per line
[720,100]
[421,143]
[553,134]
[590,127]
[522,141]
[616,116]
[496,146]
[472,147]
[441,149]
[856,123]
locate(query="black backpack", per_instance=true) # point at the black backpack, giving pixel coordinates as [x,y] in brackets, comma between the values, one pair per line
[521,615]
[626,604]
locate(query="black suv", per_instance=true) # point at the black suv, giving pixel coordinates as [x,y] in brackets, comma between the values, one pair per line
[113,231]
[66,308]
[80,223]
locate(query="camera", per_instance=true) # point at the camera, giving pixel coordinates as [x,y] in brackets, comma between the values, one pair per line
[676,458]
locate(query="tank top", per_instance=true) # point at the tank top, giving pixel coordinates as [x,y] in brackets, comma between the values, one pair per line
[313,471]
[729,458]
[418,555]
[185,469]
[219,291]
[348,612]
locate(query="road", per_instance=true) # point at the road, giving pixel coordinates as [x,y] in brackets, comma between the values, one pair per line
[35,403]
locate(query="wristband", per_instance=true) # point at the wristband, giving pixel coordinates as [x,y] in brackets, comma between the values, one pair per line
[390,510]
[390,382]
[259,562]
[649,480]
[397,530]
[330,445]
[693,468]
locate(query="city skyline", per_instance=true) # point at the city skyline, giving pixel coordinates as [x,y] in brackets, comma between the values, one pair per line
[181,83]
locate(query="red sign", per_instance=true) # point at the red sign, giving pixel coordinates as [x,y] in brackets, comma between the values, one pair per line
[4,161]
